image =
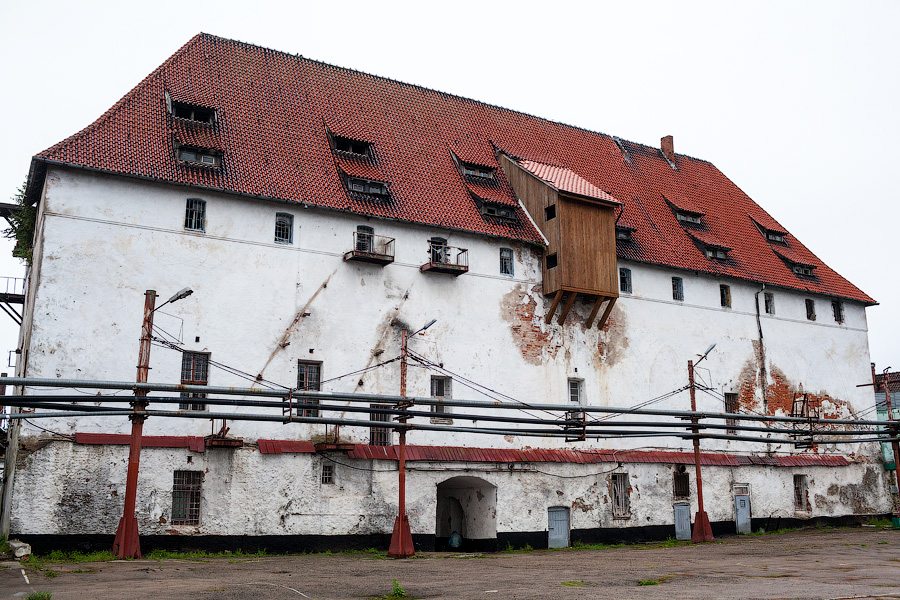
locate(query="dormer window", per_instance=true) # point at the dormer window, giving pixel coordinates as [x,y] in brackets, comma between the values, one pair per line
[192,112]
[498,211]
[353,147]
[368,187]
[774,236]
[478,172]
[802,270]
[199,156]
[688,217]
[623,234]
[718,253]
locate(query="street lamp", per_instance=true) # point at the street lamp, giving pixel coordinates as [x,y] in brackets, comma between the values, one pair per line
[702,529]
[401,538]
[127,543]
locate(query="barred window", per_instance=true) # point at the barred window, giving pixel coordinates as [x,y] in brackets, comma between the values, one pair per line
[725,296]
[620,503]
[380,436]
[364,238]
[800,486]
[327,473]
[731,406]
[284,228]
[625,281]
[506,261]
[194,371]
[837,307]
[440,388]
[810,309]
[309,379]
[681,483]
[677,289]
[186,497]
[195,215]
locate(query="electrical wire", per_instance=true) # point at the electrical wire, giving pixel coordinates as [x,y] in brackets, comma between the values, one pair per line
[62,435]
[641,405]
[355,468]
[574,476]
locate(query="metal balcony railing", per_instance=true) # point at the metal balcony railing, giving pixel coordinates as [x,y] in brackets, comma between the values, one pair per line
[371,248]
[446,259]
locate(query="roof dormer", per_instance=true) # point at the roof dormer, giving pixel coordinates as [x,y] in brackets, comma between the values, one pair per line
[352,148]
[191,113]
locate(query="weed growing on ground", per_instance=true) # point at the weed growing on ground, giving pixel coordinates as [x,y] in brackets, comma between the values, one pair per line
[648,582]
[880,523]
[579,583]
[39,596]
[397,590]
[510,550]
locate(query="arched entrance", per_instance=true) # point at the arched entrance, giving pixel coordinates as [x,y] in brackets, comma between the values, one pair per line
[468,506]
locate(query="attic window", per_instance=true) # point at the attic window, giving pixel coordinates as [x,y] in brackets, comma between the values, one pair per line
[192,112]
[623,234]
[478,172]
[199,156]
[774,236]
[498,211]
[353,147]
[688,217]
[802,270]
[712,252]
[369,187]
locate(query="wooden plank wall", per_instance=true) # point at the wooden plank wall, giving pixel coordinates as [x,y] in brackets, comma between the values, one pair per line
[589,238]
[536,196]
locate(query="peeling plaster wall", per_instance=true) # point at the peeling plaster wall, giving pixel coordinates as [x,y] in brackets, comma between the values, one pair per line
[248,493]
[261,306]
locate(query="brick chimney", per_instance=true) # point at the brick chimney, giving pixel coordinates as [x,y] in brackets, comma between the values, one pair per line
[667,145]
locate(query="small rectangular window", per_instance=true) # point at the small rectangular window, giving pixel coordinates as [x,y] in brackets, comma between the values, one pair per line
[478,172]
[550,212]
[810,309]
[186,497]
[194,371]
[195,215]
[506,261]
[800,492]
[625,280]
[380,436]
[677,289]
[725,296]
[576,390]
[192,112]
[440,388]
[731,407]
[623,235]
[284,228]
[716,253]
[309,379]
[837,307]
[327,473]
[688,218]
[681,483]
[342,144]
[769,300]
[201,156]
[774,236]
[551,261]
[621,506]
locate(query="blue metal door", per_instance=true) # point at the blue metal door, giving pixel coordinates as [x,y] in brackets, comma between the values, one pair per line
[742,513]
[682,520]
[557,527]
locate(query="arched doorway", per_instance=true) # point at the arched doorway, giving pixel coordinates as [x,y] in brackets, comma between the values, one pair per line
[468,506]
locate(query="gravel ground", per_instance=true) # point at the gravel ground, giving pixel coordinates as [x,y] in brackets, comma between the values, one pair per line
[837,563]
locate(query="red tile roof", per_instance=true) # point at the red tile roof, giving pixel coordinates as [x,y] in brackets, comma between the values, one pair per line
[274,111]
[566,180]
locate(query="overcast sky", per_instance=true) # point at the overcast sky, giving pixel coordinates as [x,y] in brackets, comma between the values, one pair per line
[797,102]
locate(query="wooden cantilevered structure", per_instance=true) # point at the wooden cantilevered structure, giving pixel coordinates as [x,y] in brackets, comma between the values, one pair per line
[578,221]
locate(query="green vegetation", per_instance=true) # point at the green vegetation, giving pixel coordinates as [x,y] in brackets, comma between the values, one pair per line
[579,584]
[397,591]
[773,532]
[39,596]
[648,582]
[510,550]
[159,554]
[21,226]
[885,523]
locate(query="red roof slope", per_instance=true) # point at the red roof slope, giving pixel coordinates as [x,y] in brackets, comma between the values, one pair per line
[566,180]
[274,112]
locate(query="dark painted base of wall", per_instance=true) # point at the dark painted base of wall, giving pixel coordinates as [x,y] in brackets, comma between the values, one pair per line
[295,544]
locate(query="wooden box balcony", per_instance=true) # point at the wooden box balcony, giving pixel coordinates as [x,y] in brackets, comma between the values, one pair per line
[446,259]
[371,248]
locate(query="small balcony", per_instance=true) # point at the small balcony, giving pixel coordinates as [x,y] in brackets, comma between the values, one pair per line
[446,259]
[371,248]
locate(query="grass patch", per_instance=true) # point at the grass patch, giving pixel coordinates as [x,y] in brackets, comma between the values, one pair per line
[579,584]
[773,532]
[39,596]
[510,550]
[467,556]
[159,554]
[397,591]
[648,582]
[880,523]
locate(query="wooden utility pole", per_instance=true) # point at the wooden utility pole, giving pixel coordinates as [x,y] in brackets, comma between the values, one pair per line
[401,539]
[702,529]
[127,543]
[9,473]
[894,431]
